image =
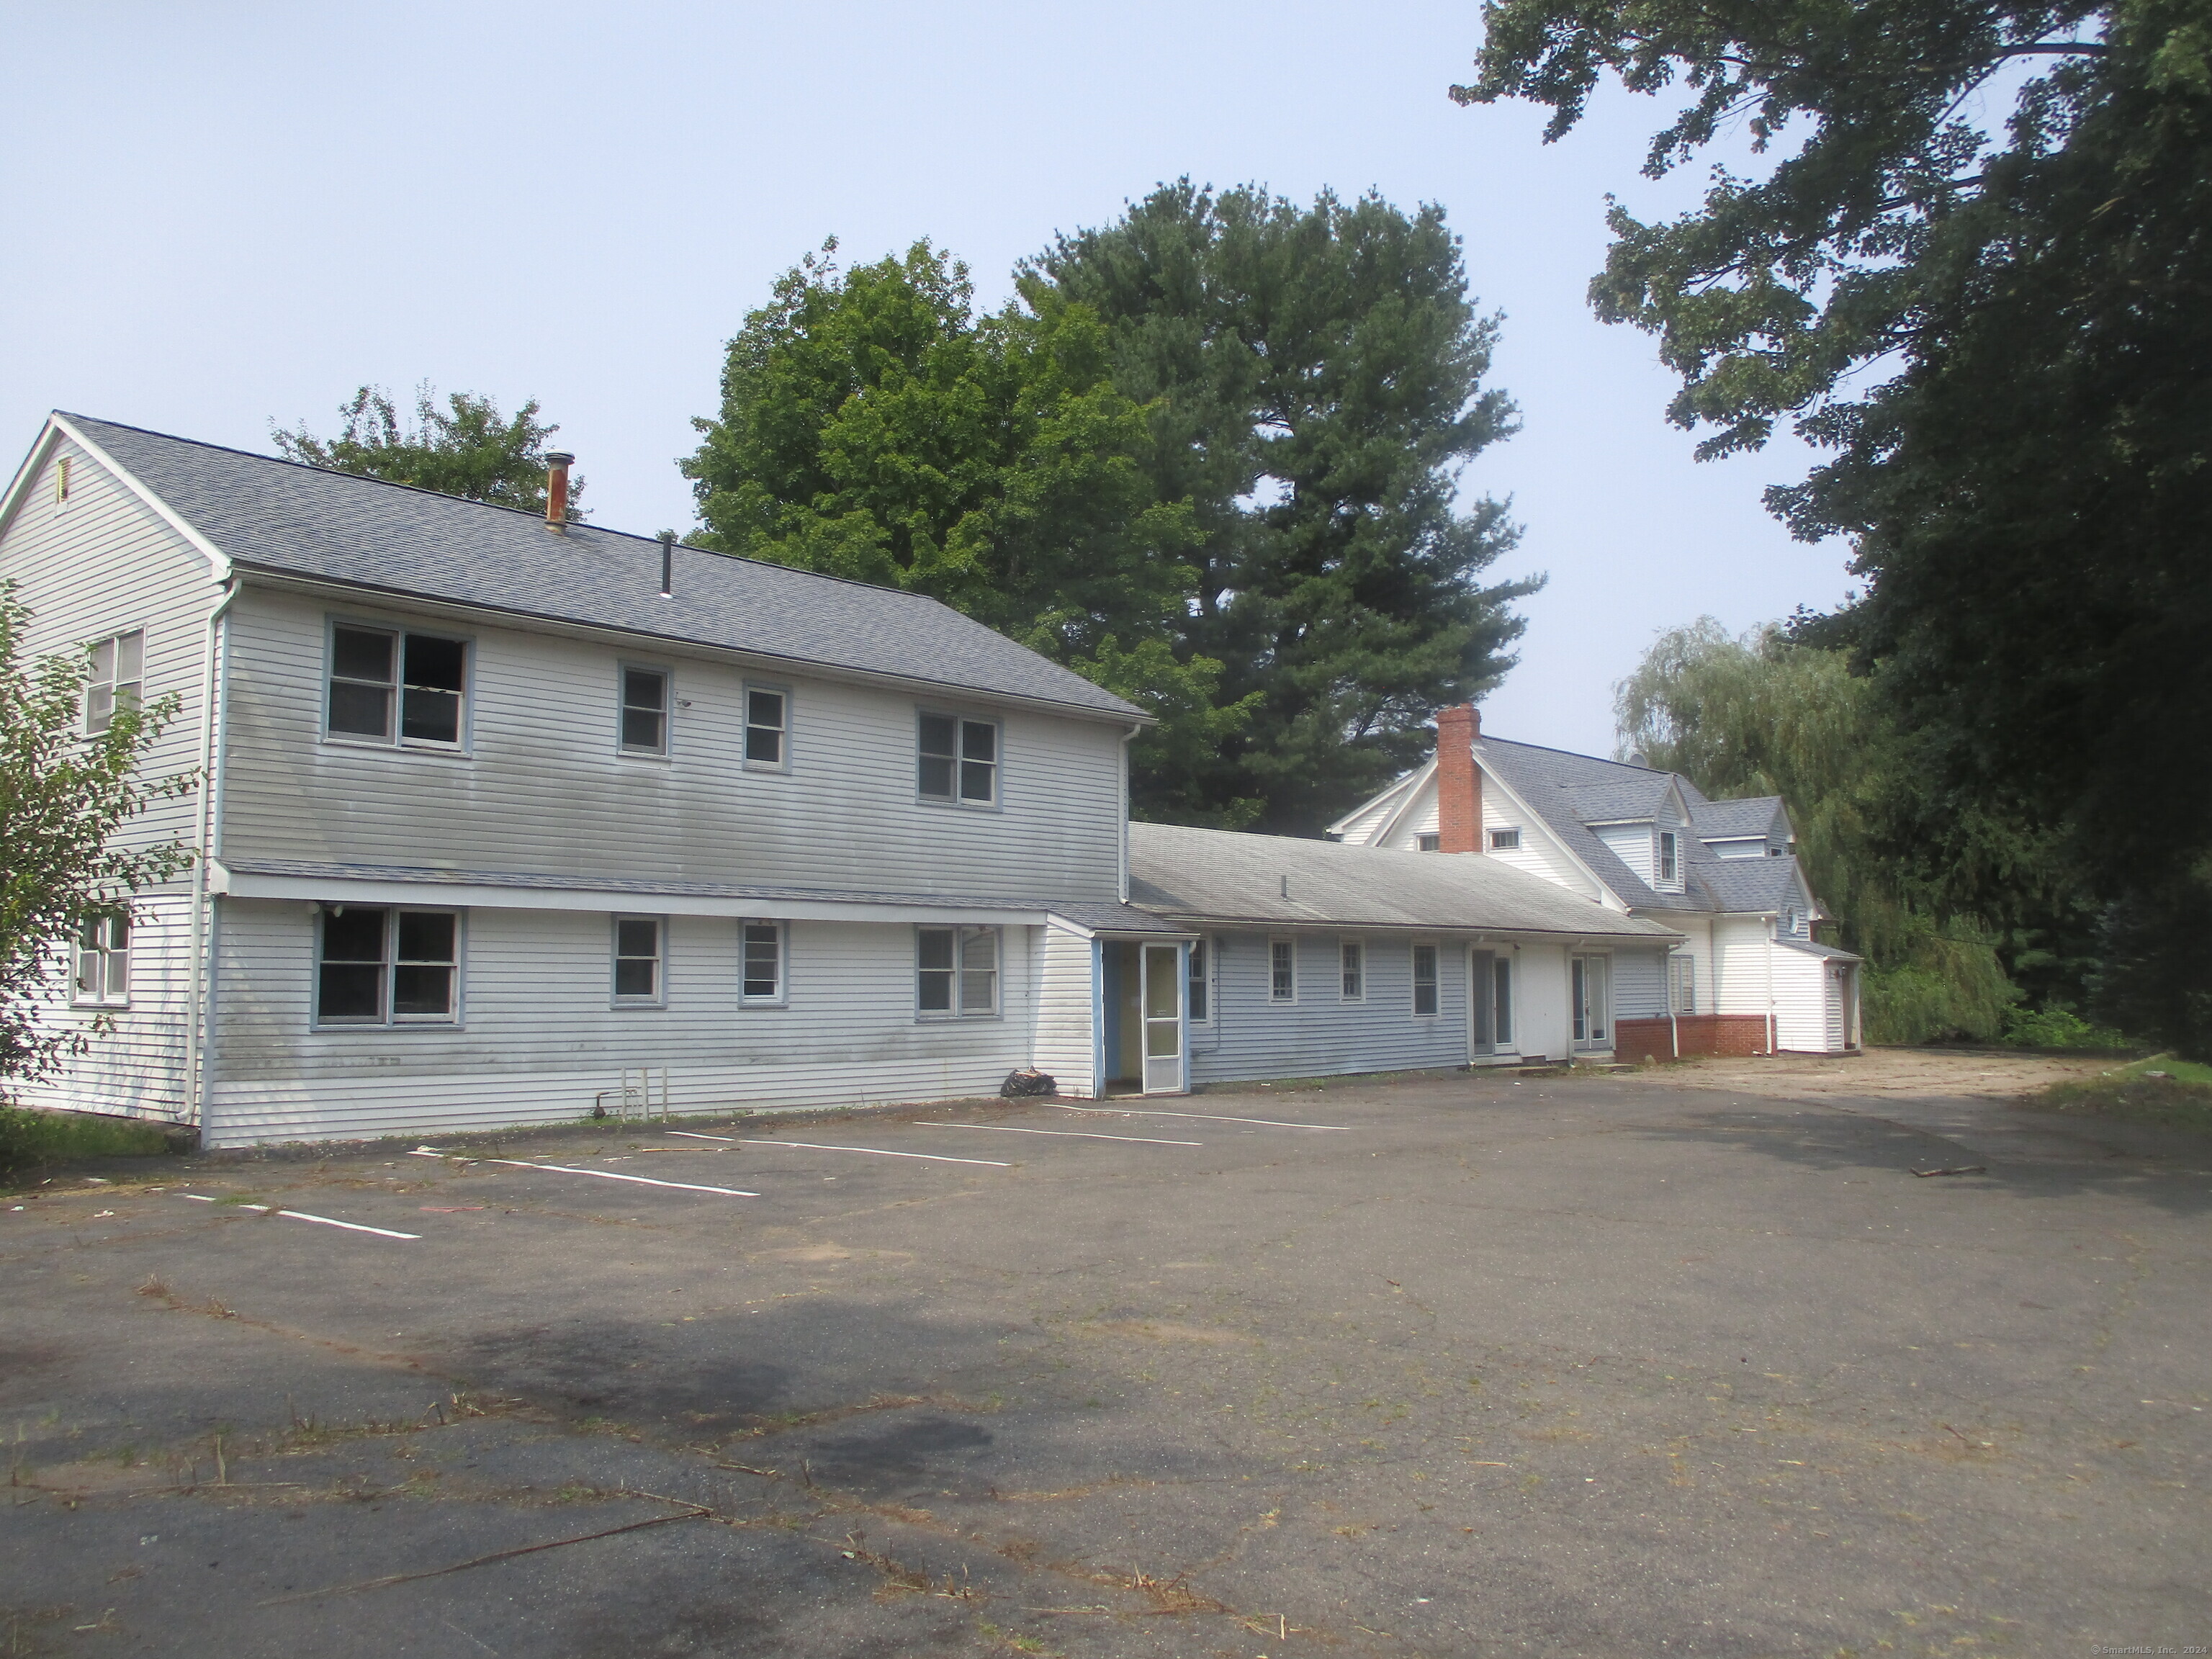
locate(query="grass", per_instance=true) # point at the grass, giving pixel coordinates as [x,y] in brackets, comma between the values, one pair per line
[2158,1090]
[33,1140]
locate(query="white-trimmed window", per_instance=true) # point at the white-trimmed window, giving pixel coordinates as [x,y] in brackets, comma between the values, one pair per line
[956,972]
[1429,840]
[1424,979]
[103,960]
[641,961]
[1202,980]
[117,680]
[380,673]
[768,728]
[1682,984]
[377,964]
[644,712]
[1282,971]
[1352,963]
[959,760]
[1670,866]
[760,973]
[1506,840]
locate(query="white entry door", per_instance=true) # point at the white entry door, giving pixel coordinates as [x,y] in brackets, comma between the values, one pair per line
[1592,994]
[1162,1005]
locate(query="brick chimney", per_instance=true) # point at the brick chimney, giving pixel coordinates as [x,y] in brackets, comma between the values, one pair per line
[556,489]
[1459,781]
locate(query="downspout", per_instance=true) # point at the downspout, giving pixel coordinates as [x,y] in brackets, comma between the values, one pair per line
[1772,1029]
[1128,737]
[203,836]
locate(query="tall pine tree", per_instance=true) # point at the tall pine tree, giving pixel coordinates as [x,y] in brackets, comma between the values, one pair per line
[1313,379]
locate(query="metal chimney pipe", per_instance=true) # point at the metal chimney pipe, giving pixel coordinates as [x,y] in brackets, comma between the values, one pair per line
[667,562]
[557,462]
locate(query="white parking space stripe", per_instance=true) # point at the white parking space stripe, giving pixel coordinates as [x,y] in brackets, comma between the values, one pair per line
[301,1215]
[878,1152]
[603,1175]
[1068,1134]
[1210,1117]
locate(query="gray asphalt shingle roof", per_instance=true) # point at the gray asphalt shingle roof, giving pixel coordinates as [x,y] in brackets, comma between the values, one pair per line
[1219,876]
[1753,815]
[290,519]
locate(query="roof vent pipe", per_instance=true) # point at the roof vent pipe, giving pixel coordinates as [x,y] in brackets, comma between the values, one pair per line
[667,562]
[557,462]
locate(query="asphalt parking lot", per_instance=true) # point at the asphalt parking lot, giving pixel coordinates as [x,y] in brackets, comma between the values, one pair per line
[1454,1365]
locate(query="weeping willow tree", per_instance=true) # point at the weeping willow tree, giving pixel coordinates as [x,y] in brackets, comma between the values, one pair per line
[1762,715]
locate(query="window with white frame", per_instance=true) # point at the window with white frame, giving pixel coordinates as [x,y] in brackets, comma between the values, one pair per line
[767,716]
[103,960]
[1282,971]
[956,972]
[644,711]
[762,943]
[641,961]
[1202,980]
[1506,840]
[1424,979]
[1352,961]
[1429,840]
[380,965]
[1682,984]
[394,685]
[117,680]
[1669,859]
[959,760]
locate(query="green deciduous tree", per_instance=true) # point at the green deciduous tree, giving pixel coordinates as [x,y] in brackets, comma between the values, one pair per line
[1313,382]
[2002,335]
[65,796]
[467,448]
[874,427]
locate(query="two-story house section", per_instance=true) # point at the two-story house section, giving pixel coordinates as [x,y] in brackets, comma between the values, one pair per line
[1748,976]
[495,809]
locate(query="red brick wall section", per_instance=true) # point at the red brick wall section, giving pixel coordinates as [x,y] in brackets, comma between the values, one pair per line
[1459,784]
[1702,1036]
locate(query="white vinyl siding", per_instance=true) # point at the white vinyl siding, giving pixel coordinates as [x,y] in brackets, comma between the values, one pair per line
[1804,987]
[541,1040]
[1063,971]
[540,794]
[102,565]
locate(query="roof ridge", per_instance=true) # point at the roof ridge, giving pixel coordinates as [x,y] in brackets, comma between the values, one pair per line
[498,506]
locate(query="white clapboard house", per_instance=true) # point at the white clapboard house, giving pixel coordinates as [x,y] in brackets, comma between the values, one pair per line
[496,809]
[1747,974]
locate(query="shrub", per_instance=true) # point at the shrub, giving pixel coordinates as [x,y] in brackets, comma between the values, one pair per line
[2057,1028]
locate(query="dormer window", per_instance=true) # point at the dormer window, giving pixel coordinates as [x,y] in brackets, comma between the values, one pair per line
[1669,859]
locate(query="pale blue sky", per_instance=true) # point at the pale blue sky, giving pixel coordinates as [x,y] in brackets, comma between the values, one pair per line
[223,214]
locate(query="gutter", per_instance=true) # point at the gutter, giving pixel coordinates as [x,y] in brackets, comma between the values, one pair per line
[199,974]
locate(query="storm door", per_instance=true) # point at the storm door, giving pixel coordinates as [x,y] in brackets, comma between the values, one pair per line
[1592,993]
[1163,1019]
[1479,979]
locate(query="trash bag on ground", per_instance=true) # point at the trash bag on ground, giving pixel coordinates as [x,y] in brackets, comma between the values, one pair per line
[1026,1082]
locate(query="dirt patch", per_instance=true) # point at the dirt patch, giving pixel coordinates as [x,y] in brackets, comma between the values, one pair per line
[1908,1072]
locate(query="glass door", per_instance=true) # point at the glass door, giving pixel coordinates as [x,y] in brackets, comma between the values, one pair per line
[1163,1019]
[1481,978]
[1592,997]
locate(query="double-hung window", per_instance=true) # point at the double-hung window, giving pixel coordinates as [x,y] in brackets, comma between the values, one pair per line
[380,673]
[1201,981]
[762,943]
[1282,971]
[1682,984]
[1424,979]
[117,680]
[644,713]
[380,966]
[103,960]
[1351,956]
[959,760]
[956,972]
[767,717]
[641,961]
[1669,859]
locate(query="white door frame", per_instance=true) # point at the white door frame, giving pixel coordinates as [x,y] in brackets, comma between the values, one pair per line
[1162,1009]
